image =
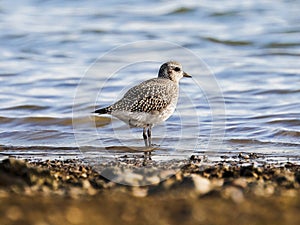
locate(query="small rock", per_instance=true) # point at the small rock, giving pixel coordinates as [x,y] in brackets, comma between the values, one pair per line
[75,192]
[178,176]
[86,184]
[258,189]
[165,174]
[243,156]
[83,175]
[253,155]
[129,178]
[269,190]
[217,183]
[202,185]
[139,192]
[169,183]
[153,180]
[240,182]
[234,193]
[197,158]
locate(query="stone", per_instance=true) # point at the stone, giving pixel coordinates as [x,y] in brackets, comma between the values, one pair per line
[202,185]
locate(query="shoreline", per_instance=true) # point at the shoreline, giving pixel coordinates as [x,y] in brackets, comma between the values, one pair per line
[220,193]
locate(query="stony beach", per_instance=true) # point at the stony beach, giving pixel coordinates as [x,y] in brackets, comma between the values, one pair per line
[71,192]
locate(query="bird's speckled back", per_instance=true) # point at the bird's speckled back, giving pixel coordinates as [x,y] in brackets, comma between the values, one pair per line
[151,95]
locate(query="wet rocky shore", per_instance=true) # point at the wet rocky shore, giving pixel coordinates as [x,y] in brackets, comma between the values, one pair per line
[130,191]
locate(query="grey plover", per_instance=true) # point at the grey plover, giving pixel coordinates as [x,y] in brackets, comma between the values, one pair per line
[150,102]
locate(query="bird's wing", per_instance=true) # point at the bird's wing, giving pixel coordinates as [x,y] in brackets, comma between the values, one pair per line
[150,103]
[150,95]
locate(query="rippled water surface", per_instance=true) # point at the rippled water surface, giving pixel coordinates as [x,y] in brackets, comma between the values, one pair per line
[46,48]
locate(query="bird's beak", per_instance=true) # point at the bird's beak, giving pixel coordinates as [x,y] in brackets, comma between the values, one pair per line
[186,74]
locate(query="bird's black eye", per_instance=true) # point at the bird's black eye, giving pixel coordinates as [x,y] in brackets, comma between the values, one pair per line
[177,69]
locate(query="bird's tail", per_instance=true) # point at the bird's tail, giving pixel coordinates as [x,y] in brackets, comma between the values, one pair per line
[103,110]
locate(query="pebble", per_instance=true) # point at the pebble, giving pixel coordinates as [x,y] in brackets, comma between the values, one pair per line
[202,185]
[129,178]
[139,192]
[153,180]
[233,193]
[240,182]
[243,156]
[165,174]
[167,184]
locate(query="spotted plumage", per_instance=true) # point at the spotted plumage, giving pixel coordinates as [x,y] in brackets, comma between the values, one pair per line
[151,102]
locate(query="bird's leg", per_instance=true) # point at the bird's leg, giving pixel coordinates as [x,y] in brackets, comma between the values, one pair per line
[149,135]
[147,140]
[145,137]
[146,144]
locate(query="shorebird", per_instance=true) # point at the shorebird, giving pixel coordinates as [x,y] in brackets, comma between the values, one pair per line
[150,102]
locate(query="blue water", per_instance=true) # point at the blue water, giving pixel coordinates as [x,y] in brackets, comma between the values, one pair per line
[251,48]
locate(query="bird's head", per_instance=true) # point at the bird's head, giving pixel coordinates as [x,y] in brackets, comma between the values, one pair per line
[172,70]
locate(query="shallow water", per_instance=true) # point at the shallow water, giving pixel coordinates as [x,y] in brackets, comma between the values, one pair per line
[47,47]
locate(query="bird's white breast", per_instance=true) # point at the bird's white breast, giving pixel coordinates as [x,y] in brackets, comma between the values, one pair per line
[142,119]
